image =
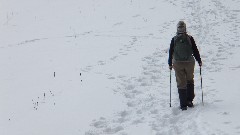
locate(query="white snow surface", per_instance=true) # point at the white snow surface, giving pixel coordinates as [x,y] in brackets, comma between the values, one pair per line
[109,58]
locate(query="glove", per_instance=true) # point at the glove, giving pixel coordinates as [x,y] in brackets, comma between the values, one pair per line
[200,64]
[170,67]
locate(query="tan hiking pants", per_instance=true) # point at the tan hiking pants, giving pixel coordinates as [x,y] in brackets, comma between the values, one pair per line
[184,72]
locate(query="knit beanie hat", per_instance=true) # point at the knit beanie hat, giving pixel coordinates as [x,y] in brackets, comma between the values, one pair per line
[181,27]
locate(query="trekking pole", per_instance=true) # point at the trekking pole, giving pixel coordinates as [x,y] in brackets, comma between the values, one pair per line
[201,83]
[170,87]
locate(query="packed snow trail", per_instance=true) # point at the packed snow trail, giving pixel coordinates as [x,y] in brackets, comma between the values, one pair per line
[147,95]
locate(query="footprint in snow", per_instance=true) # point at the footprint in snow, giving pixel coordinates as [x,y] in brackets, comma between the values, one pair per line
[112,130]
[218,101]
[227,122]
[237,128]
[176,111]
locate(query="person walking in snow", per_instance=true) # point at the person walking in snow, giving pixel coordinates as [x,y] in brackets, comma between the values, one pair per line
[182,50]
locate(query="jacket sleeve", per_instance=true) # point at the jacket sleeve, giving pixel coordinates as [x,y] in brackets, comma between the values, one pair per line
[195,51]
[171,53]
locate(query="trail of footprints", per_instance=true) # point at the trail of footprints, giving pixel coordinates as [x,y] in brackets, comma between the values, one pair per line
[140,93]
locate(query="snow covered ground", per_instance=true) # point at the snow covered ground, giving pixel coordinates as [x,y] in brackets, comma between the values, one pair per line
[98,67]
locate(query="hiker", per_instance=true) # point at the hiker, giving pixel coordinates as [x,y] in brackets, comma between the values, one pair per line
[181,52]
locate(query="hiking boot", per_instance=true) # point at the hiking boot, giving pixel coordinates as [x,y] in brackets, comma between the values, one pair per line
[190,104]
[184,108]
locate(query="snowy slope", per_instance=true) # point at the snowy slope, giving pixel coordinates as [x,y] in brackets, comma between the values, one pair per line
[93,67]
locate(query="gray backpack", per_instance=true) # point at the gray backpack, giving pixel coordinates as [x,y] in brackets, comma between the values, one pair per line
[182,48]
